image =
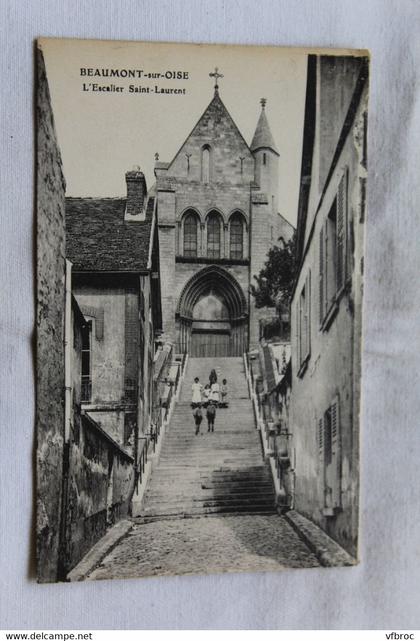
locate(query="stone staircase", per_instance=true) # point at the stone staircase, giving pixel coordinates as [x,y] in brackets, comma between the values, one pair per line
[211,473]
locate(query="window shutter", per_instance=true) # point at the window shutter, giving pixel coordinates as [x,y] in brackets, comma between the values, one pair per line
[307,314]
[296,326]
[305,320]
[336,453]
[321,276]
[321,440]
[299,331]
[341,234]
[327,292]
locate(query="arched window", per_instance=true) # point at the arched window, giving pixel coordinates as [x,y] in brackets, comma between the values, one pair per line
[206,163]
[236,236]
[213,235]
[190,234]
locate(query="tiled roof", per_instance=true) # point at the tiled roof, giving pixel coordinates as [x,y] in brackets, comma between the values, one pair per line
[99,239]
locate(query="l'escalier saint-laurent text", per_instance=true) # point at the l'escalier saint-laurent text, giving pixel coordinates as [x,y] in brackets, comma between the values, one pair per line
[95,87]
[169,74]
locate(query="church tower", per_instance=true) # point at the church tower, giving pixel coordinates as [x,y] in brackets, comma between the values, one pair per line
[264,209]
[266,157]
[204,211]
[217,203]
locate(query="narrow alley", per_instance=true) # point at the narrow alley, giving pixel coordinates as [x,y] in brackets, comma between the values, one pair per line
[210,504]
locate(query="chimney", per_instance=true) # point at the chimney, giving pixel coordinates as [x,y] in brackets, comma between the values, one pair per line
[136,194]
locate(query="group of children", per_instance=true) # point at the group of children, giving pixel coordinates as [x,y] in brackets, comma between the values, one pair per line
[211,396]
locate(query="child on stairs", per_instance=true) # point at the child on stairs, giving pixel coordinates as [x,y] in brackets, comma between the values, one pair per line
[198,417]
[197,388]
[211,415]
[224,393]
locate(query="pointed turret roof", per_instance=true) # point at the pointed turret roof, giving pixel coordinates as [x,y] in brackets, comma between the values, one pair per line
[263,138]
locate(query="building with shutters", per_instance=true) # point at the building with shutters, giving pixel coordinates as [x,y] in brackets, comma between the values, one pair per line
[112,254]
[112,244]
[327,298]
[217,203]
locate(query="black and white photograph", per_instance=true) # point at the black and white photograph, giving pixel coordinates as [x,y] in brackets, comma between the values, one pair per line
[200,273]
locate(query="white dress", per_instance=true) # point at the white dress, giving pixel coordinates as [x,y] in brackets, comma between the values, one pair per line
[196,392]
[215,392]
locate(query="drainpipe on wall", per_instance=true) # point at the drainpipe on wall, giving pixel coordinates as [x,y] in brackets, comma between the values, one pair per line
[62,568]
[68,346]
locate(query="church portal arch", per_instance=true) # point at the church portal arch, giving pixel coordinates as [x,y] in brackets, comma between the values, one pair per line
[212,315]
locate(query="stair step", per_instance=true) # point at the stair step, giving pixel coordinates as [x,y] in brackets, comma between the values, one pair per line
[213,492]
[209,482]
[141,520]
[213,473]
[214,502]
[229,486]
[218,473]
[211,510]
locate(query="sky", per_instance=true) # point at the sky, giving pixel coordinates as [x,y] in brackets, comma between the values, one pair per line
[104,134]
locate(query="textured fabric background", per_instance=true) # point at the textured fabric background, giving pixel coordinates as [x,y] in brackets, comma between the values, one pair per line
[383,592]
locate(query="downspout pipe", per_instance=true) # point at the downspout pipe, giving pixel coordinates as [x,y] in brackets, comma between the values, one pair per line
[62,568]
[68,348]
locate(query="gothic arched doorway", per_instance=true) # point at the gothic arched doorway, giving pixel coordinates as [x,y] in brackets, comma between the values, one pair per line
[212,315]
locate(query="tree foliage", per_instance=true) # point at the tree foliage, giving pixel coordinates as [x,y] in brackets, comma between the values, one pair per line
[274,283]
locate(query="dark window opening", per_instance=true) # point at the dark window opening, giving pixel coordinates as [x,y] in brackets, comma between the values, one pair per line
[190,235]
[206,164]
[236,237]
[213,236]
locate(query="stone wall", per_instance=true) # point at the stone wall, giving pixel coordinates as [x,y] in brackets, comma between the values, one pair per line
[147,356]
[100,486]
[217,129]
[168,278]
[334,93]
[224,197]
[98,475]
[50,331]
[108,350]
[334,367]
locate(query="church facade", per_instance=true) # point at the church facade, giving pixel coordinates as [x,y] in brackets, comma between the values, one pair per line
[217,206]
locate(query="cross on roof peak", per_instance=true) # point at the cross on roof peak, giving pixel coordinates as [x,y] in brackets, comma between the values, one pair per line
[216,75]
[263,102]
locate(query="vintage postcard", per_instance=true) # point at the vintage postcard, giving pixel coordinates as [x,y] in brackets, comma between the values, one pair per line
[200,217]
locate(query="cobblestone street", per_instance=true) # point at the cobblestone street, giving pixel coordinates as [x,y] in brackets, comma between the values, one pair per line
[253,543]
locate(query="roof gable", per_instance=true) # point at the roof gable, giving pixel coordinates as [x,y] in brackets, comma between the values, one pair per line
[217,128]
